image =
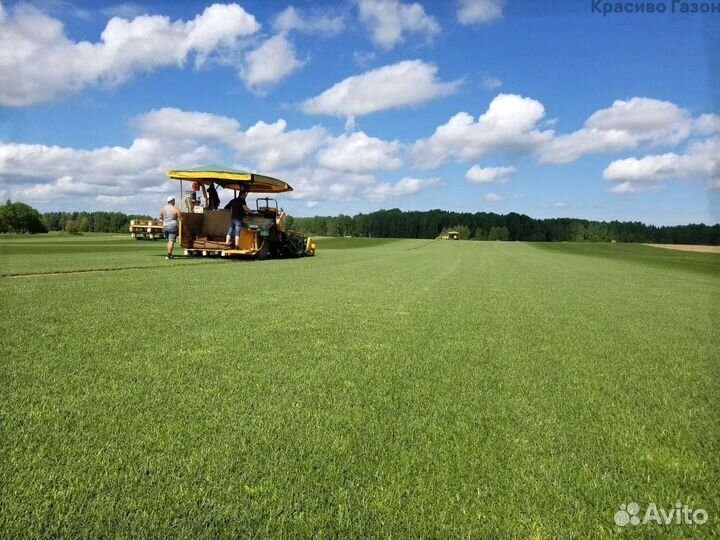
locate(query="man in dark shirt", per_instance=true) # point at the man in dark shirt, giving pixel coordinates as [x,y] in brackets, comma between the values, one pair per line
[238,208]
[213,201]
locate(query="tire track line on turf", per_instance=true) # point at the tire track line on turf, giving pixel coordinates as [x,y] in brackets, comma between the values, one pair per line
[89,271]
[421,246]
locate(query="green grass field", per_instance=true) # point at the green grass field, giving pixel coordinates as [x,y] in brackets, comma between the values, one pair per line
[408,389]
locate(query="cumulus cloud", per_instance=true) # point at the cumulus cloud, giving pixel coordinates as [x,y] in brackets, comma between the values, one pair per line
[480,175]
[510,124]
[660,122]
[405,84]
[707,124]
[479,11]
[490,82]
[569,148]
[319,167]
[52,174]
[291,19]
[363,59]
[272,146]
[513,123]
[40,63]
[268,64]
[172,123]
[623,126]
[389,21]
[630,187]
[359,153]
[37,161]
[269,145]
[701,161]
[493,198]
[406,186]
[317,184]
[126,10]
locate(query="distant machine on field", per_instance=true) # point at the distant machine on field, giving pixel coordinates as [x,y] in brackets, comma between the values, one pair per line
[150,229]
[451,235]
[264,232]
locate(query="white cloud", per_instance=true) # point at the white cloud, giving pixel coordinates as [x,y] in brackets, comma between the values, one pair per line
[173,123]
[405,84]
[40,63]
[480,175]
[126,10]
[133,179]
[406,186]
[52,175]
[270,145]
[623,126]
[660,122]
[510,124]
[319,184]
[493,198]
[559,204]
[629,187]
[707,124]
[513,123]
[701,161]
[490,82]
[569,148]
[479,11]
[169,138]
[389,21]
[271,62]
[363,59]
[359,153]
[33,161]
[290,19]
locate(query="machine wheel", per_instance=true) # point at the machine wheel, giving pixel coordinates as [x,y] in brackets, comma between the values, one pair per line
[264,250]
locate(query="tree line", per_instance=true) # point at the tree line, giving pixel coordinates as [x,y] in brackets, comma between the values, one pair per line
[490,226]
[21,218]
[79,222]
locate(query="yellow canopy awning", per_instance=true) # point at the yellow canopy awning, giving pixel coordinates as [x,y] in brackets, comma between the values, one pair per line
[232,179]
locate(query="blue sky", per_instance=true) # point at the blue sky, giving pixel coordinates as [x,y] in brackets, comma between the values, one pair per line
[543,108]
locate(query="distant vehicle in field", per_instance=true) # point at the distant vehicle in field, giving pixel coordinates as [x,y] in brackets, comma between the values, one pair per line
[451,235]
[146,228]
[264,231]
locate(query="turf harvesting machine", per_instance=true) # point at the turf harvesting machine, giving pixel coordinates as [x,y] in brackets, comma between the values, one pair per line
[204,224]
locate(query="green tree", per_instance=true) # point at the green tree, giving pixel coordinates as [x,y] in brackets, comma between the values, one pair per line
[72,226]
[480,234]
[20,218]
[332,228]
[499,233]
[577,231]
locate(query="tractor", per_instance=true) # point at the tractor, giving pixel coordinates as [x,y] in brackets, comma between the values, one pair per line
[204,223]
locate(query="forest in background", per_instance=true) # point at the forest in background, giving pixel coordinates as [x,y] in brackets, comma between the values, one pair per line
[394,223]
[514,227]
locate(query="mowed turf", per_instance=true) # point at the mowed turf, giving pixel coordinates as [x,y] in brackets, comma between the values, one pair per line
[408,389]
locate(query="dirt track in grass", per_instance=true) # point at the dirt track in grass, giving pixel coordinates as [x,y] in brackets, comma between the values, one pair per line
[687,247]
